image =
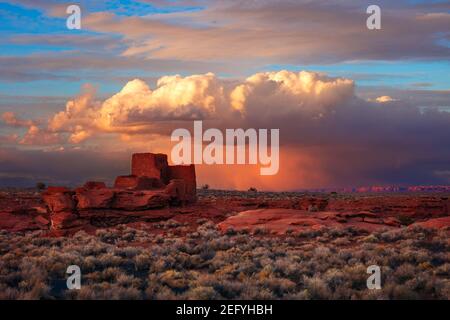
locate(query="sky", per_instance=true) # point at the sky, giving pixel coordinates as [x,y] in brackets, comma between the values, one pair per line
[354,106]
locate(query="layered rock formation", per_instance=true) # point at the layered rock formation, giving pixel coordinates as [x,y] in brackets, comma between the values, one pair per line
[369,213]
[145,201]
[281,221]
[152,185]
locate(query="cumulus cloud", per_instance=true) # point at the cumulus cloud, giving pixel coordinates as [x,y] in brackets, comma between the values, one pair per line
[138,109]
[285,92]
[11,119]
[329,136]
[308,106]
[76,119]
[176,97]
[38,136]
[34,135]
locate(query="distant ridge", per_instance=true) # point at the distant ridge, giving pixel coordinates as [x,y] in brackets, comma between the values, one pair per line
[381,189]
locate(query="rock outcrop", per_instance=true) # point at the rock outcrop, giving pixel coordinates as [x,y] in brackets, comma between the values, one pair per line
[59,199]
[281,221]
[436,223]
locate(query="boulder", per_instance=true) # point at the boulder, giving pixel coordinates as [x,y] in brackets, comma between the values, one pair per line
[186,173]
[140,200]
[149,165]
[59,199]
[94,198]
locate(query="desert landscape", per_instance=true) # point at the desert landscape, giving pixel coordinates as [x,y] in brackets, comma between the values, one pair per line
[233,157]
[154,235]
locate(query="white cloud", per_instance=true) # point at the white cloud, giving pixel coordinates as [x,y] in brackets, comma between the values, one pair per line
[136,108]
[385,99]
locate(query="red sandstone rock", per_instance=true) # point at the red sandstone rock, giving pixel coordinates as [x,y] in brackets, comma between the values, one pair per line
[373,220]
[131,194]
[327,215]
[137,183]
[362,214]
[139,200]
[368,227]
[41,220]
[393,222]
[278,221]
[94,198]
[113,217]
[14,223]
[312,204]
[55,189]
[415,207]
[187,173]
[40,209]
[59,199]
[149,165]
[437,223]
[176,189]
[65,220]
[126,182]
[94,185]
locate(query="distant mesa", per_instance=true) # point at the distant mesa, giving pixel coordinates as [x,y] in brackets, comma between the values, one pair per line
[152,185]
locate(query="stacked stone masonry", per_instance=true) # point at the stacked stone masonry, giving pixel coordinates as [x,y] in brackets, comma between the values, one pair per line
[153,184]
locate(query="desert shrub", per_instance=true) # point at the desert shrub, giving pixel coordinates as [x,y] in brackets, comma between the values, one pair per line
[202,293]
[404,272]
[316,288]
[208,264]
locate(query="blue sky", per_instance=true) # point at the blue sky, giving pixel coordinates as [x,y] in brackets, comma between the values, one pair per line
[21,19]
